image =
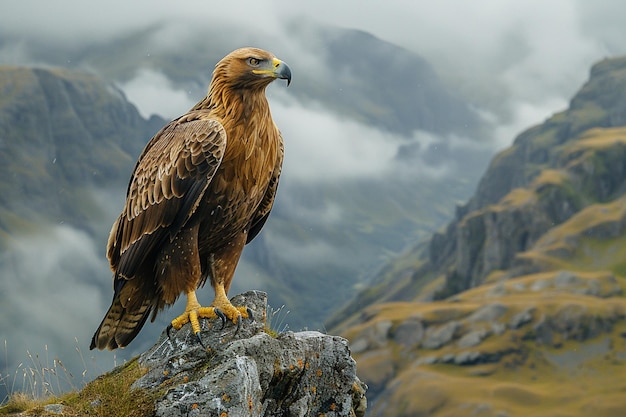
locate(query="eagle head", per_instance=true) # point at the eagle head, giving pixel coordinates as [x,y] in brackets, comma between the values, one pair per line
[250,68]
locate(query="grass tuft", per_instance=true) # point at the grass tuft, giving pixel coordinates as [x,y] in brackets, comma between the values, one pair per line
[275,320]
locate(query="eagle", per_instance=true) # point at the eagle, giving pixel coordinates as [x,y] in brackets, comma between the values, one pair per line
[202,189]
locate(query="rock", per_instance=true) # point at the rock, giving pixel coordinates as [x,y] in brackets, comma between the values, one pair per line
[54,408]
[380,333]
[426,360]
[472,338]
[498,328]
[566,279]
[539,285]
[374,336]
[522,318]
[248,372]
[490,313]
[497,290]
[409,333]
[467,358]
[438,336]
[359,345]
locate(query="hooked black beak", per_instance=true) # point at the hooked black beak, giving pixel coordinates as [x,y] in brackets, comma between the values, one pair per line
[283,72]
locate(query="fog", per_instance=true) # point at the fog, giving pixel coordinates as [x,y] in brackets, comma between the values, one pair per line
[517,62]
[525,53]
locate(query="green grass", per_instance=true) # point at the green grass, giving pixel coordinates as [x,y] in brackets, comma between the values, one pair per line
[109,395]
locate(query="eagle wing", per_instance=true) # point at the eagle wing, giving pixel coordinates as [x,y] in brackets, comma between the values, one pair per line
[167,185]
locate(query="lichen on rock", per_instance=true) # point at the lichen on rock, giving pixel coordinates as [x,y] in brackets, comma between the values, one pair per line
[250,373]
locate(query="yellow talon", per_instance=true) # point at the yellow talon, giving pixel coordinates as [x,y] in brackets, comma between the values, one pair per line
[221,307]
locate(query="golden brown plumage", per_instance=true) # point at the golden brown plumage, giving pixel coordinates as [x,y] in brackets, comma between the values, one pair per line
[201,189]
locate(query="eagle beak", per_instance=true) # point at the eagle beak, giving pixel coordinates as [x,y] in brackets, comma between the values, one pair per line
[282,70]
[275,69]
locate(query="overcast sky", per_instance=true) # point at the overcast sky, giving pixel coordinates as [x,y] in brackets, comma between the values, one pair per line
[538,52]
[527,57]
[527,44]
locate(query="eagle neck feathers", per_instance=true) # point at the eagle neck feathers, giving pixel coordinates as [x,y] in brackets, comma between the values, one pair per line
[243,112]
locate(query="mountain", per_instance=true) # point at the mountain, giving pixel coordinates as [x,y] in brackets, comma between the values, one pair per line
[69,139]
[516,307]
[62,134]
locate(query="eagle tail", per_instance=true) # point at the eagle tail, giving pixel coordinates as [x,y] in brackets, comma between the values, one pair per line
[121,324]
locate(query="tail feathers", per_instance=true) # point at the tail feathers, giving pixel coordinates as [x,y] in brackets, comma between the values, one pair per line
[121,324]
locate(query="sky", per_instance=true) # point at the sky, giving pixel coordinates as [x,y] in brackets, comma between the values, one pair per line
[517,61]
[534,53]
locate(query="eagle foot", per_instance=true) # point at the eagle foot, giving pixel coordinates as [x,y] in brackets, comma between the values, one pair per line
[232,313]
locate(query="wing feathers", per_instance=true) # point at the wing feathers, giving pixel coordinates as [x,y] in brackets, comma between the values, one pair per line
[165,189]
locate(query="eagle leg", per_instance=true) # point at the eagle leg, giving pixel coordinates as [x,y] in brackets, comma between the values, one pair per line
[221,308]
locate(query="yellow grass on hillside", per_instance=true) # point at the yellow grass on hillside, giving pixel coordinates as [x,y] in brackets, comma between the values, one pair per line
[599,138]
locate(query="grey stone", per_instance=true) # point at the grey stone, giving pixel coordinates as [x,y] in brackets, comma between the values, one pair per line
[427,360]
[540,284]
[466,358]
[522,318]
[54,408]
[381,333]
[473,338]
[566,279]
[409,333]
[498,328]
[359,345]
[490,312]
[436,337]
[375,336]
[447,358]
[498,290]
[248,372]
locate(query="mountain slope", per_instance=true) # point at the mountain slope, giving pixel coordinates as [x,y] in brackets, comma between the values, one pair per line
[61,133]
[529,279]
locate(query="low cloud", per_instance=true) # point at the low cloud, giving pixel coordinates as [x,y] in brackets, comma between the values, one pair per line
[518,62]
[50,279]
[153,93]
[322,146]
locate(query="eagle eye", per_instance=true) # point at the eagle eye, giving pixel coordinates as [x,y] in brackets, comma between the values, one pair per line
[254,62]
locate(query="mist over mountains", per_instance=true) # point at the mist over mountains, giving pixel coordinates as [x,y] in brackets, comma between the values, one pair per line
[351,191]
[523,288]
[381,145]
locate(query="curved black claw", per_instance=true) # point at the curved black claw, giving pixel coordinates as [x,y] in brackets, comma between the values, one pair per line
[168,329]
[239,320]
[221,315]
[250,313]
[199,339]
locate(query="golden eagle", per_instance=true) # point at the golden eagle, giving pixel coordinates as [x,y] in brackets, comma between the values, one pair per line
[202,188]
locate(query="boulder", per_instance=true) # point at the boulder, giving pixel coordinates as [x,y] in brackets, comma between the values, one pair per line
[247,372]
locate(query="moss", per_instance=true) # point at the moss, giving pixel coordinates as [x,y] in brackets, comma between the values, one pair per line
[110,395]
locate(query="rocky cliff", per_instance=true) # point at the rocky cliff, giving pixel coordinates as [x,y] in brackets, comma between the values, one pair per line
[575,159]
[523,290]
[62,134]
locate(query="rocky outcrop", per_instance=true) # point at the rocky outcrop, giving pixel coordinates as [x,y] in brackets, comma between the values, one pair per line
[250,373]
[528,280]
[550,173]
